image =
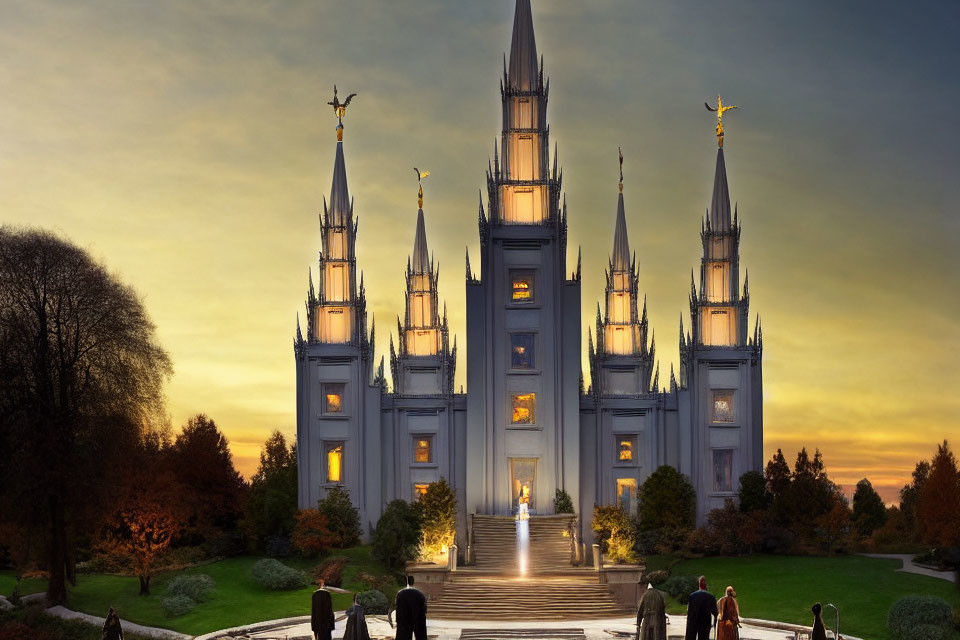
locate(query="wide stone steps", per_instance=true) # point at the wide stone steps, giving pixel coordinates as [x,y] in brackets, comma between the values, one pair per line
[495,543]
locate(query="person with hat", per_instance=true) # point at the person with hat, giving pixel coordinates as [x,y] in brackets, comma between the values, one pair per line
[728,620]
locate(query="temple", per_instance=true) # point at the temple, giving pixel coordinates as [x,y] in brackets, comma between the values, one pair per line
[525,427]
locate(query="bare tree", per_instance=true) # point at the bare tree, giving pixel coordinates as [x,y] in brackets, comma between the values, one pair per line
[81,377]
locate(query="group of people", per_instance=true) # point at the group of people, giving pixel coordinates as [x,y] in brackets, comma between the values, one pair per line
[410,608]
[704,612]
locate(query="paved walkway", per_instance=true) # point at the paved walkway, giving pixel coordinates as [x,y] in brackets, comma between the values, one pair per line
[611,629]
[128,627]
[909,566]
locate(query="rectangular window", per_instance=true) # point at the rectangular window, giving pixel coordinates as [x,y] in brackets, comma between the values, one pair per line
[333,397]
[627,493]
[334,461]
[626,448]
[524,408]
[723,470]
[522,351]
[723,406]
[522,287]
[423,449]
[420,490]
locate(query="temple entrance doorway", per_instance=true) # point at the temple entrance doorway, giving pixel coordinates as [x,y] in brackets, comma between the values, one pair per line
[523,482]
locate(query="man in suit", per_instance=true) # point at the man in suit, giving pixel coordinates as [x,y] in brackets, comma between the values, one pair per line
[411,607]
[321,614]
[701,613]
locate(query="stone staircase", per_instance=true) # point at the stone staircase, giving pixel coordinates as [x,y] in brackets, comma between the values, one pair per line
[495,544]
[493,589]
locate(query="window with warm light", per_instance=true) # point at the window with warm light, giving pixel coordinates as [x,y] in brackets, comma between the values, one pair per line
[723,470]
[523,408]
[420,490]
[423,449]
[333,397]
[522,286]
[626,448]
[627,493]
[723,410]
[522,351]
[334,461]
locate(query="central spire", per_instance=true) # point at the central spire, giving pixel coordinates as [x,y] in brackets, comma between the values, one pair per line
[523,50]
[339,208]
[720,204]
[620,261]
[421,258]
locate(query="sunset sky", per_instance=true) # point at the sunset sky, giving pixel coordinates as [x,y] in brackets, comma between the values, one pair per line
[188,146]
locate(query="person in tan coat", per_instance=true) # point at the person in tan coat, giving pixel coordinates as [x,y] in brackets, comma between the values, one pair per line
[728,619]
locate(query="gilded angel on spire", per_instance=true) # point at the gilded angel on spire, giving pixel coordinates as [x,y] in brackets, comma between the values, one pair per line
[721,108]
[340,110]
[420,177]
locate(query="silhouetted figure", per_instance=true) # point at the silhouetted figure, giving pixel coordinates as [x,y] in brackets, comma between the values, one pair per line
[111,627]
[728,620]
[652,616]
[321,614]
[411,608]
[356,628]
[701,613]
[819,630]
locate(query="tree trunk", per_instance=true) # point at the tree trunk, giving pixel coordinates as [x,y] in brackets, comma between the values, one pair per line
[144,585]
[56,556]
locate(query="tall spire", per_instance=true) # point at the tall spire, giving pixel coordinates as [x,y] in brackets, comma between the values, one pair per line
[421,257]
[523,70]
[620,261]
[720,204]
[340,208]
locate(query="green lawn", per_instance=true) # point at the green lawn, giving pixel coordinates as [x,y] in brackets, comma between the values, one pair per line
[28,586]
[238,600]
[784,588]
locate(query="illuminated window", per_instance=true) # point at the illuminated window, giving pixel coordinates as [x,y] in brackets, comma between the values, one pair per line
[423,449]
[521,286]
[334,462]
[723,470]
[524,408]
[626,448]
[627,493]
[723,406]
[522,351]
[333,397]
[420,490]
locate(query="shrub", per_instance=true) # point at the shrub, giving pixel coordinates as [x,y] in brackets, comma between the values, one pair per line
[658,577]
[397,536]
[666,509]
[438,517]
[680,587]
[276,576]
[343,520]
[227,545]
[562,502]
[182,557]
[911,613]
[370,581]
[196,587]
[373,602]
[331,571]
[176,606]
[615,533]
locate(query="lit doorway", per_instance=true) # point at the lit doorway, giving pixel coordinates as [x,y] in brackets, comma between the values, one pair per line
[523,482]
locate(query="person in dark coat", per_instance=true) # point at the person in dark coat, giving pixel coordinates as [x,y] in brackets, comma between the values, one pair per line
[652,616]
[701,613]
[111,627]
[819,630]
[356,628]
[321,614]
[411,608]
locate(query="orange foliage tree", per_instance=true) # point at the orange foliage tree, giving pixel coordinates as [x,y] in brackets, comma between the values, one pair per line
[142,531]
[311,534]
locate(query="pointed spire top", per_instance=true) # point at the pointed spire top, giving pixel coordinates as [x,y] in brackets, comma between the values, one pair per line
[339,208]
[620,261]
[720,203]
[523,70]
[421,256]
[620,151]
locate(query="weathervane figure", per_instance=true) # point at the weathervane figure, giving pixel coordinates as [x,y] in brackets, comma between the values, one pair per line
[719,111]
[421,175]
[620,151]
[340,109]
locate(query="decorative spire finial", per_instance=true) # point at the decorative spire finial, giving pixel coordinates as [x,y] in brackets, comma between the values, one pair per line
[721,108]
[420,177]
[340,109]
[620,151]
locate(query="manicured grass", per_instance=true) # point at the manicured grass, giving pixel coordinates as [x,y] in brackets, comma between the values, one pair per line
[31,585]
[238,599]
[785,587]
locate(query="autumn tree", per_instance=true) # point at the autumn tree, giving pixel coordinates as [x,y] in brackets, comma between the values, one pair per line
[938,509]
[82,375]
[311,533]
[142,531]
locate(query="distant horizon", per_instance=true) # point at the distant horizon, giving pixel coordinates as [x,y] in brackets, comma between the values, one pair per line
[189,148]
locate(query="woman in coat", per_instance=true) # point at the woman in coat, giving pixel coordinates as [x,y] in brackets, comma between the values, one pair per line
[356,628]
[728,618]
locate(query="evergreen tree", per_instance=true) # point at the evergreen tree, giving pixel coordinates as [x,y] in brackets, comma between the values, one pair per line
[753,494]
[777,474]
[938,513]
[397,536]
[343,520]
[272,501]
[869,512]
[910,496]
[439,517]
